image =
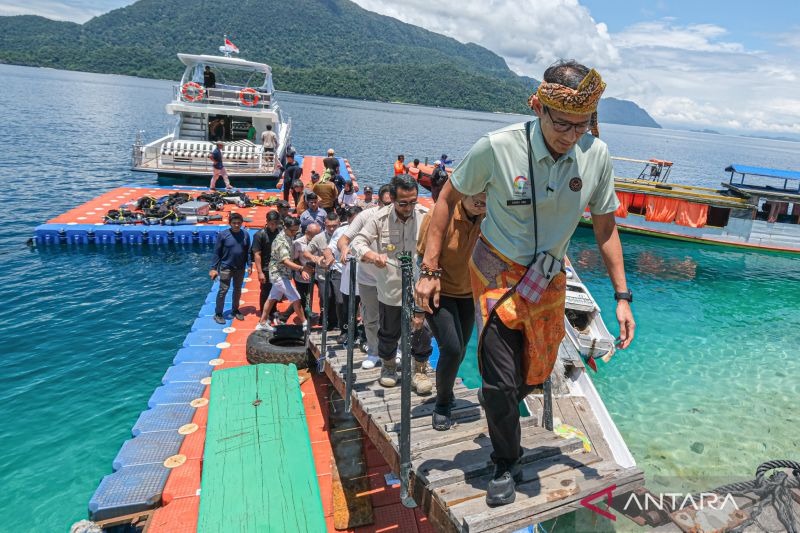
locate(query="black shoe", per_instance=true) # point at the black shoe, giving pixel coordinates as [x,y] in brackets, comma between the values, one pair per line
[441,421]
[502,487]
[237,315]
[341,339]
[219,319]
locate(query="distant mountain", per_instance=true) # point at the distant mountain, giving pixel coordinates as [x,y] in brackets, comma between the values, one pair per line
[326,47]
[616,111]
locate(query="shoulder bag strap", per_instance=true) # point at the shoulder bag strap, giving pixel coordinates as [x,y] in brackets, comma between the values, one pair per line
[533,193]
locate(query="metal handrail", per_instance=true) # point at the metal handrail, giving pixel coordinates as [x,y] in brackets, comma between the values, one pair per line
[351,334]
[407,271]
[224,97]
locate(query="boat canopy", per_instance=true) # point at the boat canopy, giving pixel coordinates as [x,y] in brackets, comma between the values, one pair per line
[763,171]
[195,63]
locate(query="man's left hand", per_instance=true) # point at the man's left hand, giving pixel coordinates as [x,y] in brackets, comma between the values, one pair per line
[626,324]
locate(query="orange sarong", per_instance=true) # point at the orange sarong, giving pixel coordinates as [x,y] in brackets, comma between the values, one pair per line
[542,324]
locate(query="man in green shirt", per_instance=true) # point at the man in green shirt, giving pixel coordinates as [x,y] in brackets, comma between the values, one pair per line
[539,177]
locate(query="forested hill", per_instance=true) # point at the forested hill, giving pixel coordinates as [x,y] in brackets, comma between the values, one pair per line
[327,47]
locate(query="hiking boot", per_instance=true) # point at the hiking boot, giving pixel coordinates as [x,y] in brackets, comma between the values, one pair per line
[237,315]
[502,487]
[219,319]
[388,373]
[420,382]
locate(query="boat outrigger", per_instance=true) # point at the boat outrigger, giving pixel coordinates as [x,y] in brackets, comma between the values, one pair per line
[235,108]
[758,208]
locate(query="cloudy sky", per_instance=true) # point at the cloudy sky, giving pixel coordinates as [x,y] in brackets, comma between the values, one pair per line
[723,65]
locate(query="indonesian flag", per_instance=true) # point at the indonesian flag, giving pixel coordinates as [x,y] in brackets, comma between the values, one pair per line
[229,47]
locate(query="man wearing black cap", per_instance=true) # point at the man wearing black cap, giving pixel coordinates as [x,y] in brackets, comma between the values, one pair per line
[368,201]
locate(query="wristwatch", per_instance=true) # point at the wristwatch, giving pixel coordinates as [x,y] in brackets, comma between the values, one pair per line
[627,295]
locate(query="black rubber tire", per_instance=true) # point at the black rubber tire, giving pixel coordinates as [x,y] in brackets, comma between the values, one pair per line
[264,347]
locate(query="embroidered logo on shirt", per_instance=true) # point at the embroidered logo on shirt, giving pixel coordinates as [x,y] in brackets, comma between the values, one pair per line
[575,184]
[520,185]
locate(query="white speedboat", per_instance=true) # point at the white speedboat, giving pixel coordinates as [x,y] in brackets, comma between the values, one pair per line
[236,108]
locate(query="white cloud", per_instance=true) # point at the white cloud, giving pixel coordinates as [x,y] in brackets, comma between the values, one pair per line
[693,75]
[528,36]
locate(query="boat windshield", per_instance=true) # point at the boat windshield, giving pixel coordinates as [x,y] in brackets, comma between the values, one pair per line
[232,77]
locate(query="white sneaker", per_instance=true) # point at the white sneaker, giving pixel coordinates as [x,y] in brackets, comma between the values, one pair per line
[399,357]
[305,325]
[370,362]
[265,327]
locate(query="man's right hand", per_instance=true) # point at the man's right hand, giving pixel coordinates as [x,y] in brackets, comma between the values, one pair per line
[379,260]
[427,289]
[262,278]
[213,274]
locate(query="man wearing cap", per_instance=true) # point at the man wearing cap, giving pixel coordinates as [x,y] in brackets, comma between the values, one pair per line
[330,161]
[219,168]
[439,177]
[368,201]
[539,178]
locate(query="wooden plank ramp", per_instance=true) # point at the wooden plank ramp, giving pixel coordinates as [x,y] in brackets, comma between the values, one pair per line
[451,469]
[258,469]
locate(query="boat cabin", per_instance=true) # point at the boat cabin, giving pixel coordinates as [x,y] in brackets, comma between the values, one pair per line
[776,193]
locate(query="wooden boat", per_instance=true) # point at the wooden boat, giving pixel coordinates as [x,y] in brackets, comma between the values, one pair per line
[583,323]
[757,209]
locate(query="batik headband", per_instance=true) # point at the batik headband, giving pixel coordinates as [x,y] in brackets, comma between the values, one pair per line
[578,101]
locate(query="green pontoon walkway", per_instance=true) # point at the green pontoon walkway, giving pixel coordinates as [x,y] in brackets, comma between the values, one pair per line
[258,471]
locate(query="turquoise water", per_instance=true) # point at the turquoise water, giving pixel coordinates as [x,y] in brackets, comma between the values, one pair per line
[89,332]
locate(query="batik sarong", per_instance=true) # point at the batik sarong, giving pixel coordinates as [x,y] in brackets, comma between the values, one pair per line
[542,324]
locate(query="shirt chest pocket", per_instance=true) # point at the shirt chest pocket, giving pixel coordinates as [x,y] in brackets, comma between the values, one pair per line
[390,241]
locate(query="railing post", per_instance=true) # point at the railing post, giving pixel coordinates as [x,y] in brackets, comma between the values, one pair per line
[547,400]
[407,270]
[323,301]
[351,333]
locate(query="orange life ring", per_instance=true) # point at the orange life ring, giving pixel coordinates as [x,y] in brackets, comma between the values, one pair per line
[192,91]
[253,100]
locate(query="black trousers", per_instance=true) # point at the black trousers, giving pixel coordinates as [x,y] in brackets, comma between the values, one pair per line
[391,319]
[302,290]
[504,387]
[452,324]
[228,277]
[346,308]
[328,300]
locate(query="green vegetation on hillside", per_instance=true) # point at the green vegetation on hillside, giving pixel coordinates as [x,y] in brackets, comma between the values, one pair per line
[325,47]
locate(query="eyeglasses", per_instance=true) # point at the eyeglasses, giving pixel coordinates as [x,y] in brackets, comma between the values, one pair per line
[563,127]
[406,204]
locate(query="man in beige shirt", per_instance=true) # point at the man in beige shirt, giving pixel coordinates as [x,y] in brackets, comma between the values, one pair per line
[392,230]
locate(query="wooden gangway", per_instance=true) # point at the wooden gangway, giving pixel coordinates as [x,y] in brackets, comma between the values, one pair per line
[451,469]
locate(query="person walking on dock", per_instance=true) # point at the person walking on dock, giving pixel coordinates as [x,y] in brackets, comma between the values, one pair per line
[314,213]
[453,319]
[262,253]
[331,299]
[280,274]
[394,230]
[231,255]
[292,172]
[539,178]
[219,168]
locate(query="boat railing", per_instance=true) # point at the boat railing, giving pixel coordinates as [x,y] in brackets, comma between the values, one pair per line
[241,97]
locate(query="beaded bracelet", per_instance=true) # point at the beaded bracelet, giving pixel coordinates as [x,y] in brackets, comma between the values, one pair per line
[425,270]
